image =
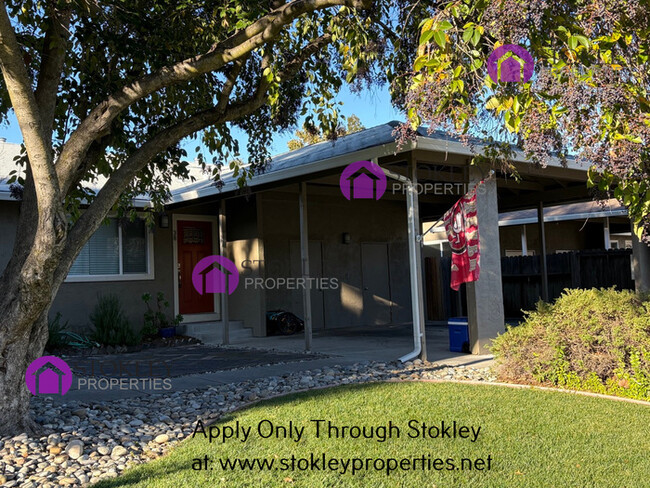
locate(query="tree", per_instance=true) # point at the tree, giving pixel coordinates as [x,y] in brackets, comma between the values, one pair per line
[110,88]
[588,96]
[310,134]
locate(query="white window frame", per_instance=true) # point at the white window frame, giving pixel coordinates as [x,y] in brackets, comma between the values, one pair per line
[148,276]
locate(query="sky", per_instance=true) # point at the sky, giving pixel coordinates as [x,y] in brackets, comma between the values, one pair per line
[372,106]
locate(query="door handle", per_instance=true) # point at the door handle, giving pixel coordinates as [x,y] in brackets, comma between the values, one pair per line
[180,283]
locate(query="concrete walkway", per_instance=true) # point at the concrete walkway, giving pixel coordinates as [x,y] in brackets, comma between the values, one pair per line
[368,344]
[342,346]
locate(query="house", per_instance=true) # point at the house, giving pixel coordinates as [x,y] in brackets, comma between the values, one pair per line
[568,227]
[363,256]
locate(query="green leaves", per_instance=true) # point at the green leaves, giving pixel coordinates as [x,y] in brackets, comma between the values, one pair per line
[589,94]
[439,37]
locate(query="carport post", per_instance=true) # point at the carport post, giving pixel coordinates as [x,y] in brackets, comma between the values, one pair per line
[304,255]
[485,312]
[542,240]
[223,246]
[640,264]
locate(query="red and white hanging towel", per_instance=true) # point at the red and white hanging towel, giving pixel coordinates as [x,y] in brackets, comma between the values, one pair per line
[461,225]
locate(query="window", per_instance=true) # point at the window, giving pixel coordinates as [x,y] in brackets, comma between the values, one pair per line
[115,252]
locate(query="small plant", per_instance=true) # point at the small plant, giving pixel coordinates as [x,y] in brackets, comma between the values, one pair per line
[57,336]
[157,318]
[80,341]
[112,328]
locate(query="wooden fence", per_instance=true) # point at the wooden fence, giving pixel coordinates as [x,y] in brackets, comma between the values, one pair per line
[522,279]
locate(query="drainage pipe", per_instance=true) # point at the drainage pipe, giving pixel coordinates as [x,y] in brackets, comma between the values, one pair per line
[415,266]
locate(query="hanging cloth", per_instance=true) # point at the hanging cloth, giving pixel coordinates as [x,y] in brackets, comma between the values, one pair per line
[461,226]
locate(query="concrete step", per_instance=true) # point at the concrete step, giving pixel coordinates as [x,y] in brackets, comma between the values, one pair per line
[212,332]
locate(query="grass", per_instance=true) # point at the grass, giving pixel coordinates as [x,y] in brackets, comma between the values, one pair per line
[534,438]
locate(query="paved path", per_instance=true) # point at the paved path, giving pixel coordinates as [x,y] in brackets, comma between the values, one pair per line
[171,362]
[342,349]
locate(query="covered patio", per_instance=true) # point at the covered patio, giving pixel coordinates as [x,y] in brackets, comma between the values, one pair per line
[294,221]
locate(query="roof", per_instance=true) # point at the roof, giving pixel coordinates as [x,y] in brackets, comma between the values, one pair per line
[559,213]
[367,144]
[568,211]
[9,150]
[370,143]
[305,160]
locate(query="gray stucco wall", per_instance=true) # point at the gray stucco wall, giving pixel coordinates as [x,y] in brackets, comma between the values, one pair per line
[368,222]
[76,301]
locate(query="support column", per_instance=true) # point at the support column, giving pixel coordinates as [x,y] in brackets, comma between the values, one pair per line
[524,241]
[640,264]
[542,245]
[485,296]
[304,255]
[223,249]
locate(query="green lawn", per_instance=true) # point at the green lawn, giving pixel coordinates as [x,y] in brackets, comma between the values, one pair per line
[533,438]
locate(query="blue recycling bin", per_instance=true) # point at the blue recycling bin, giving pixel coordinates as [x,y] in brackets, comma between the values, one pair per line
[458,334]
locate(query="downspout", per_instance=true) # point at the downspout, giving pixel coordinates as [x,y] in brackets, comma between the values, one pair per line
[417,295]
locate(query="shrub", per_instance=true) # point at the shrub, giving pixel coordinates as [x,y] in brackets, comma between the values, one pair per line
[57,336]
[158,318]
[594,340]
[111,327]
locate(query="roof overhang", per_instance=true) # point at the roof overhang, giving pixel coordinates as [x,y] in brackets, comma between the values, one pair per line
[315,167]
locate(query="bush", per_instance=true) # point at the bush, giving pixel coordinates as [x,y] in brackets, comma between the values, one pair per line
[57,337]
[111,326]
[594,340]
[158,318]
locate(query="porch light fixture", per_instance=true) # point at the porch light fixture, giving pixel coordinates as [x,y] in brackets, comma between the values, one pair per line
[346,238]
[163,221]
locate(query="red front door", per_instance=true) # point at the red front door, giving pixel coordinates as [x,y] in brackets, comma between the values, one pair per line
[194,241]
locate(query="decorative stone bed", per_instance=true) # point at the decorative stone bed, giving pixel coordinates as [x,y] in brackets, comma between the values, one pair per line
[84,443]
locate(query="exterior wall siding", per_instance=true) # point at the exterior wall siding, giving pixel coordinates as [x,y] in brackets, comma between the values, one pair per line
[76,301]
[329,218]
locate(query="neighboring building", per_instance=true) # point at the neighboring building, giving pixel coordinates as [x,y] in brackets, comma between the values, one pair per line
[568,227]
[360,245]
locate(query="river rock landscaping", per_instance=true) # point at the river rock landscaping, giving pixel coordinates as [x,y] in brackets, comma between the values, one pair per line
[83,443]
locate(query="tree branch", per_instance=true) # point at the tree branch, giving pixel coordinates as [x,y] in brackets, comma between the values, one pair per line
[237,46]
[52,58]
[19,86]
[231,80]
[92,218]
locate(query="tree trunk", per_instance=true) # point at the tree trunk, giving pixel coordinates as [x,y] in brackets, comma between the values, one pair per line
[28,286]
[15,397]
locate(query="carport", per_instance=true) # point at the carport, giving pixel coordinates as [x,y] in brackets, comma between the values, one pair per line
[298,199]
